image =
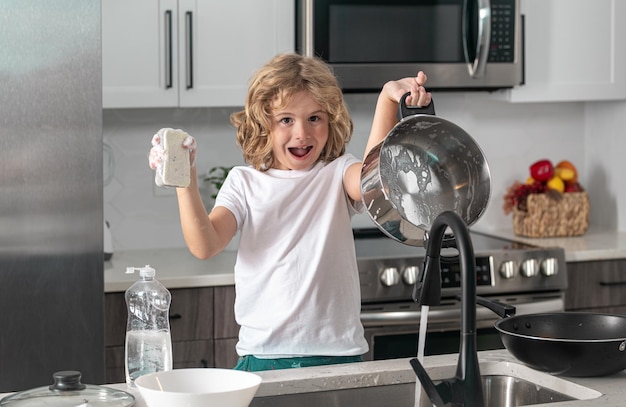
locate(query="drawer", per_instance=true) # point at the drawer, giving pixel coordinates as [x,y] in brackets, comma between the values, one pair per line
[185,354]
[596,284]
[114,319]
[191,315]
[225,324]
[225,354]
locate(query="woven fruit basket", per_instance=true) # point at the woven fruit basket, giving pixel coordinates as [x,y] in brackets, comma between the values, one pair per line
[551,215]
[551,203]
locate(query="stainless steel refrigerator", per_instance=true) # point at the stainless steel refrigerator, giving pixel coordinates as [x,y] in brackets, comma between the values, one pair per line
[51,229]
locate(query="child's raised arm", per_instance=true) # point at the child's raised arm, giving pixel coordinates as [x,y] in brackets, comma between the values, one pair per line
[385,117]
[205,234]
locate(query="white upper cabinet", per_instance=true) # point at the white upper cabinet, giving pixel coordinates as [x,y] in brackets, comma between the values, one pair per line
[575,51]
[189,53]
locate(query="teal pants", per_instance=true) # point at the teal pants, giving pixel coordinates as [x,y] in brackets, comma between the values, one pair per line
[251,364]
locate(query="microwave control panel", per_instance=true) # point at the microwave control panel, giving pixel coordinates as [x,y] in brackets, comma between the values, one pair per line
[502,31]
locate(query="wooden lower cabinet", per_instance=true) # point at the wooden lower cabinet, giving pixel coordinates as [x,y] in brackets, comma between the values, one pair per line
[226,328]
[597,286]
[225,353]
[185,354]
[191,323]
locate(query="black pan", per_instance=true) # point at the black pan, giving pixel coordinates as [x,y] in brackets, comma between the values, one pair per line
[575,344]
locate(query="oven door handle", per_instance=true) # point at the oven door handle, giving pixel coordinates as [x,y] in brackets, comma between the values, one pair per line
[452,314]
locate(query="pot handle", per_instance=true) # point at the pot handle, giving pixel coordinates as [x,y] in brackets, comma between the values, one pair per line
[404,110]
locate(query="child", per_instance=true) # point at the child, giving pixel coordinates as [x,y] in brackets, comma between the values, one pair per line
[297,286]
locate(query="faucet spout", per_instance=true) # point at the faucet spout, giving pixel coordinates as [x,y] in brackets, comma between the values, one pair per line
[465,389]
[427,290]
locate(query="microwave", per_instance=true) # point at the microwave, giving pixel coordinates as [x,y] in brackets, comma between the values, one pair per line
[459,44]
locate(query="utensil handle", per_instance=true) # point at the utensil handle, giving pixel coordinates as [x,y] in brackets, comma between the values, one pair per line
[404,110]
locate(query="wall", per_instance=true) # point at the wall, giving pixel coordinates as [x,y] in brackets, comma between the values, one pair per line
[605,147]
[511,135]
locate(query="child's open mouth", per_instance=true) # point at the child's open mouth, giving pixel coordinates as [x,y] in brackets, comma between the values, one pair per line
[300,151]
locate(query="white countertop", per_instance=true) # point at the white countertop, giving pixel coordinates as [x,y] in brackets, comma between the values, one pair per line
[177,268]
[593,245]
[607,391]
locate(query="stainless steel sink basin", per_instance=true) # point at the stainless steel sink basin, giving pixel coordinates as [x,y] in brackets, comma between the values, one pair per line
[505,384]
[510,391]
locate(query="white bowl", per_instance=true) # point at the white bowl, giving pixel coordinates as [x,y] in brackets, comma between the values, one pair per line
[198,387]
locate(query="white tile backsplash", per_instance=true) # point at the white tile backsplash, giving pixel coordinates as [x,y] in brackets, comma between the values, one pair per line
[512,136]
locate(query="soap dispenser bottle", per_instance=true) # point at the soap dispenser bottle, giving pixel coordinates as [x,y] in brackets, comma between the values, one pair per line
[148,338]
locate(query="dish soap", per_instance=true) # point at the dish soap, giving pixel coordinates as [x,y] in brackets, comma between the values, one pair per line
[148,338]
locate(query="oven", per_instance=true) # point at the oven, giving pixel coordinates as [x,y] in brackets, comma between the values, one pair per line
[533,279]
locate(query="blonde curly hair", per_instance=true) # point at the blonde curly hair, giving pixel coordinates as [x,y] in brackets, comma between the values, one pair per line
[272,87]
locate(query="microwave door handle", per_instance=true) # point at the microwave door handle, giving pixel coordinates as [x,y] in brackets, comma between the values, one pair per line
[477,67]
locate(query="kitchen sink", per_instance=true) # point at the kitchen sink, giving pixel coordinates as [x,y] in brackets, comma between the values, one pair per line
[504,384]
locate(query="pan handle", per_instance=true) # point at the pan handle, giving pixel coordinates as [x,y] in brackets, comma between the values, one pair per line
[404,110]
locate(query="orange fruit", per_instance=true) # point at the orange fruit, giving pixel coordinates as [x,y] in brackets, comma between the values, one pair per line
[568,165]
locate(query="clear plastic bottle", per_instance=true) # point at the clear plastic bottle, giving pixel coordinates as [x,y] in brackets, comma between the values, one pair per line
[148,338]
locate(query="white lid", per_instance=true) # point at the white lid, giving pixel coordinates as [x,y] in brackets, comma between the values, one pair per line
[145,271]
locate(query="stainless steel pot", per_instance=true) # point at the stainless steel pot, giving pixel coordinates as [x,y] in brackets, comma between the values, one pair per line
[425,165]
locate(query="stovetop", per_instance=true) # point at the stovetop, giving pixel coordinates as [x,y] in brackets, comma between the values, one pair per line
[388,269]
[373,244]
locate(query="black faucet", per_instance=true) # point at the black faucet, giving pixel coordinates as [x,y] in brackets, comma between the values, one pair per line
[465,389]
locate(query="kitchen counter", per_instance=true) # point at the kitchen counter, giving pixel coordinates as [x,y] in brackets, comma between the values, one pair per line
[611,390]
[399,371]
[593,245]
[177,268]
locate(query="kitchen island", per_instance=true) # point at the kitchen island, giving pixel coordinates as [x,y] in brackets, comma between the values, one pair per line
[600,391]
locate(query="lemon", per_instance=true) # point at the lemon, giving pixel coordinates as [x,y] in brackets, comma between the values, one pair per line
[566,174]
[556,183]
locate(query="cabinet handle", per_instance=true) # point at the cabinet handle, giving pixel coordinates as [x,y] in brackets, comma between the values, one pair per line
[175,316]
[189,45]
[612,283]
[168,49]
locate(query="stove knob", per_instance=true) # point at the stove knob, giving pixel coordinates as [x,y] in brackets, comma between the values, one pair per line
[409,275]
[390,276]
[508,269]
[530,268]
[549,267]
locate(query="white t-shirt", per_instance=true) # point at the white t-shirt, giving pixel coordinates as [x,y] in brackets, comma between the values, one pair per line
[296,279]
